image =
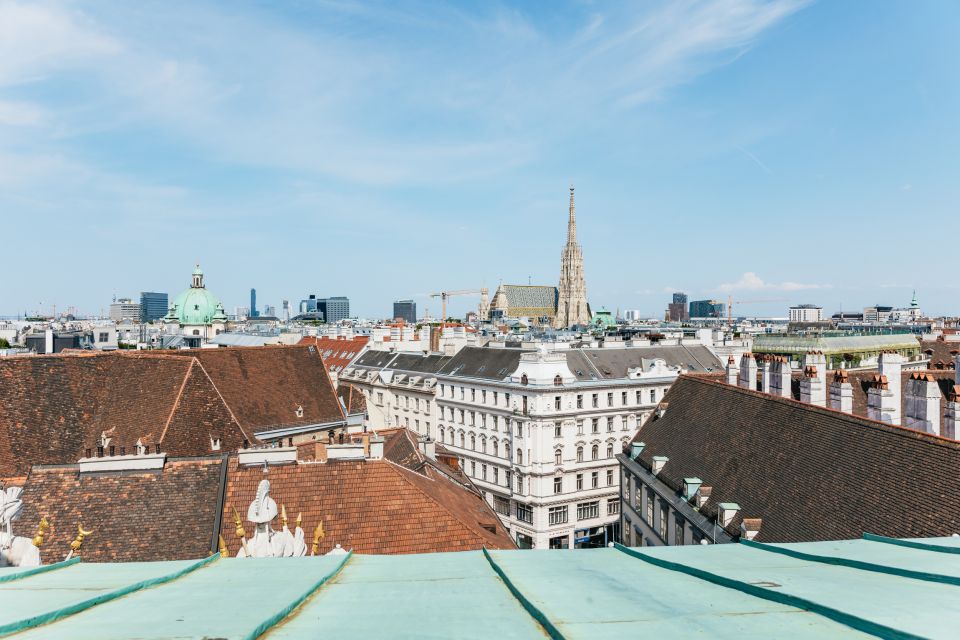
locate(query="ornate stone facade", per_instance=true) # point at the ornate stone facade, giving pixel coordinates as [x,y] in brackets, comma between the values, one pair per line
[572,304]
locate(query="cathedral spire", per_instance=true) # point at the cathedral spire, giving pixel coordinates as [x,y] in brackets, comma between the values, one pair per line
[572,222]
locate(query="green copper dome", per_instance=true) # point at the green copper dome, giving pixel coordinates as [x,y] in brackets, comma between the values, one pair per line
[196,305]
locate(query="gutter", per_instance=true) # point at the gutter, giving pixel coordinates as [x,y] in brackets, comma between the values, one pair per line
[716,533]
[221,497]
[283,432]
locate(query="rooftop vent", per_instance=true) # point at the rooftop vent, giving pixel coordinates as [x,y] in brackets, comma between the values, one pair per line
[690,487]
[266,456]
[750,527]
[636,448]
[703,495]
[659,462]
[726,511]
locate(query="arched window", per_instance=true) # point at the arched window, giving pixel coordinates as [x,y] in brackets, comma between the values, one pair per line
[463,440]
[483,444]
[609,450]
[579,454]
[523,379]
[557,380]
[441,434]
[473,442]
[495,447]
[558,456]
[506,450]
[595,452]
[519,455]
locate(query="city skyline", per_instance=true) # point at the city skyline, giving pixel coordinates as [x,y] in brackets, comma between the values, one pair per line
[764,150]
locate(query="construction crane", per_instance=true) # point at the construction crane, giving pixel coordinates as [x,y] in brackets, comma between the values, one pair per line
[443,295]
[731,302]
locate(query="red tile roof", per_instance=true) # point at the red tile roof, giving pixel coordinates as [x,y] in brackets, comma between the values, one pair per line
[372,506]
[337,353]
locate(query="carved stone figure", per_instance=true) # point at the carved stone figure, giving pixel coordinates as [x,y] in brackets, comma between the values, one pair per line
[265,542]
[15,551]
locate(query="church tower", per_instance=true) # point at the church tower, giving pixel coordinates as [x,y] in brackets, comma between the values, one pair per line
[572,301]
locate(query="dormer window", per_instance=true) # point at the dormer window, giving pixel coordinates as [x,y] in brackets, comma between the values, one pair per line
[214,444]
[299,411]
[524,379]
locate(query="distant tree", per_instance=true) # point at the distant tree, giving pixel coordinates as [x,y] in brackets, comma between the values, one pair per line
[4,344]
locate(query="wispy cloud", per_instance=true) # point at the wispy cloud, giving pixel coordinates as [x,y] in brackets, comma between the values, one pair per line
[750,281]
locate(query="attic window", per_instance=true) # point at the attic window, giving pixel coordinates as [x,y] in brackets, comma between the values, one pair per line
[299,411]
[215,444]
[523,379]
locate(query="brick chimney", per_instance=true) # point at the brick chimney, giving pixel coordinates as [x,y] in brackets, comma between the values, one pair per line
[883,397]
[841,392]
[922,403]
[748,372]
[780,377]
[813,384]
[733,373]
[765,373]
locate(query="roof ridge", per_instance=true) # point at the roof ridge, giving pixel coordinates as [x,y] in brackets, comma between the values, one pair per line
[176,403]
[862,421]
[326,375]
[222,399]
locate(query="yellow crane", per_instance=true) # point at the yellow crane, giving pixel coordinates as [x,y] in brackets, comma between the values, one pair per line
[731,302]
[443,295]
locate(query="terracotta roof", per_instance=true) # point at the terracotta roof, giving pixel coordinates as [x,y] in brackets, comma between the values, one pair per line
[941,352]
[371,506]
[168,515]
[352,398]
[53,408]
[337,353]
[265,386]
[809,473]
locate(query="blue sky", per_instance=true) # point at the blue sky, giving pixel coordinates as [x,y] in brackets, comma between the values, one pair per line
[786,150]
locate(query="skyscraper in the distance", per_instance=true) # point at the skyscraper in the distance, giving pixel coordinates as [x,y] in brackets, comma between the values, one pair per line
[253,304]
[405,310]
[572,300]
[153,305]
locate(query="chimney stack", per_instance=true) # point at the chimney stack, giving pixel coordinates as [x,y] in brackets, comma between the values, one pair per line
[748,372]
[733,373]
[48,341]
[813,385]
[922,399]
[780,377]
[952,414]
[841,392]
[765,373]
[883,398]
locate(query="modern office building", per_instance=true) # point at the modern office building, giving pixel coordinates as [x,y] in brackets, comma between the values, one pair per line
[253,304]
[806,313]
[124,309]
[153,305]
[707,309]
[333,309]
[405,310]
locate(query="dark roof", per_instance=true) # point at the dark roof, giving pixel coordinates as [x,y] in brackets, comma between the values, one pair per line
[606,363]
[134,516]
[412,362]
[940,352]
[52,408]
[265,386]
[351,398]
[809,473]
[483,362]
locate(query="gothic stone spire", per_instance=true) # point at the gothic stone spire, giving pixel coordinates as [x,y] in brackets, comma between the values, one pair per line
[572,298]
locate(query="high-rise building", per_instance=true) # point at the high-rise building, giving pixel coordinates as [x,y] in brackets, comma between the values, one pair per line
[124,309]
[153,305]
[572,303]
[333,309]
[405,310]
[285,305]
[707,309]
[680,298]
[253,304]
[269,311]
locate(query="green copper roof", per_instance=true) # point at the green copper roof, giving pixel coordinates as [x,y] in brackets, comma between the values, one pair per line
[839,589]
[196,305]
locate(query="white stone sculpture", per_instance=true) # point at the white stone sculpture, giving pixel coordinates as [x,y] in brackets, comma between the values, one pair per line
[265,542]
[15,551]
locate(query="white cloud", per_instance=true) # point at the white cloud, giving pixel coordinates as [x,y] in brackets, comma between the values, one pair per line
[750,281]
[38,38]
[19,114]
